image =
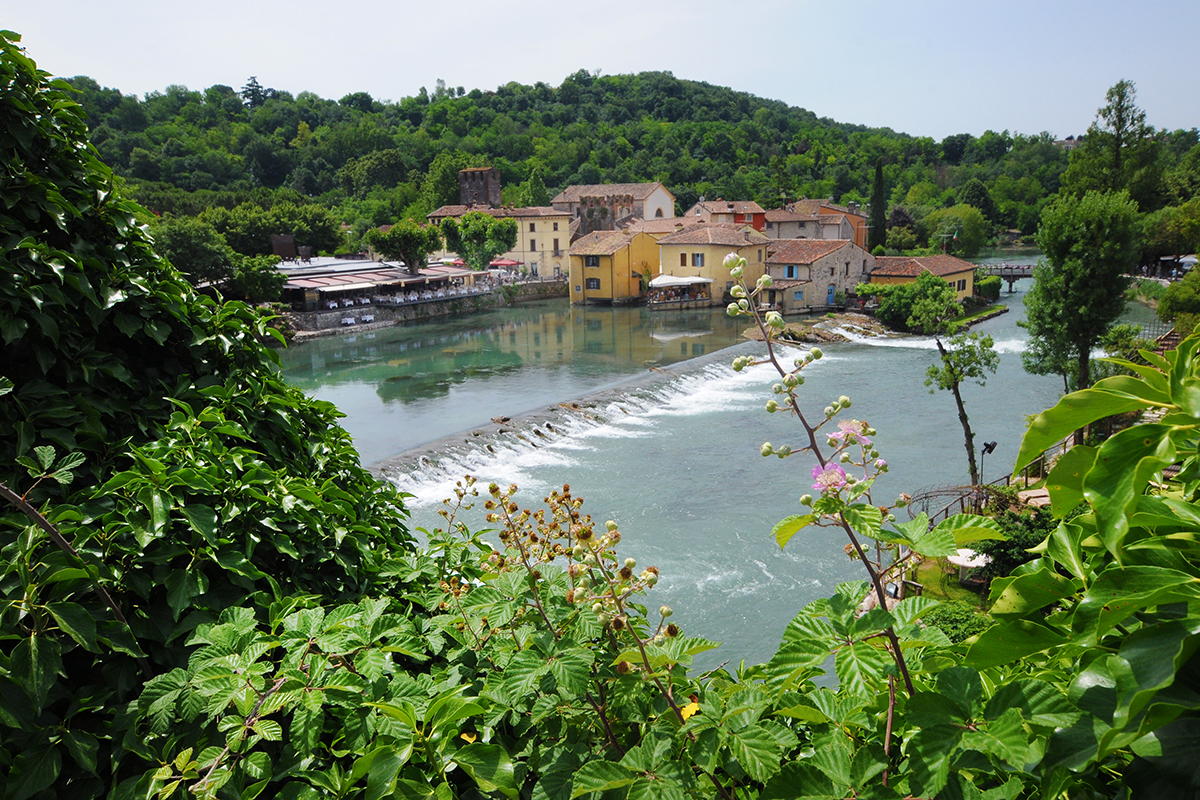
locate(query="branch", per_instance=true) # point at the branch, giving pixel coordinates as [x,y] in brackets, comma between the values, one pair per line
[46,525]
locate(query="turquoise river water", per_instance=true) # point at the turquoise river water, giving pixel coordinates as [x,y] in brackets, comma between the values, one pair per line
[664,439]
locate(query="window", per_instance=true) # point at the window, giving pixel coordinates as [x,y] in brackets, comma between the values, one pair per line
[591,261]
[531,227]
[593,283]
[658,213]
[683,259]
[962,285]
[533,244]
[799,296]
[556,226]
[556,245]
[847,268]
[760,255]
[791,270]
[697,259]
[831,269]
[770,225]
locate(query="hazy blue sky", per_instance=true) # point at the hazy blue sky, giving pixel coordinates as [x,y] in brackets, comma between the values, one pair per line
[928,68]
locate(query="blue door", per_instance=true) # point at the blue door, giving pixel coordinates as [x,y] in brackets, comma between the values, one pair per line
[829,296]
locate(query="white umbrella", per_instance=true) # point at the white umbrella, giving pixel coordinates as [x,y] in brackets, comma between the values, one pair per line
[966,559]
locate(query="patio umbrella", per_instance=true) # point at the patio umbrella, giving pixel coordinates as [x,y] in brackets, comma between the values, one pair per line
[966,559]
[506,263]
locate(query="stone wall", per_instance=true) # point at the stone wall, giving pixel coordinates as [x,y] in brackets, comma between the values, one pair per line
[479,187]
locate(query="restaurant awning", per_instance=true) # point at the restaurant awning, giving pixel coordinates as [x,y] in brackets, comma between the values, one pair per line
[664,281]
[347,287]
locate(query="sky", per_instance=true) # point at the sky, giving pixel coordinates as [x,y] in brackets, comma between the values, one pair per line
[923,67]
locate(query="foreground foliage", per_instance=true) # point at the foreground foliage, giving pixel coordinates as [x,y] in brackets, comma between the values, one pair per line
[204,594]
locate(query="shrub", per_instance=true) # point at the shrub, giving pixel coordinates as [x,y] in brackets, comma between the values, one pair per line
[989,288]
[958,619]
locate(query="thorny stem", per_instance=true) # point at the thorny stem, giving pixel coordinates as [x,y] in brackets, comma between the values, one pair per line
[608,731]
[52,531]
[811,432]
[887,739]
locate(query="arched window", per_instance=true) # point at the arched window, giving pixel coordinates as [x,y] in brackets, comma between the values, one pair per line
[658,212]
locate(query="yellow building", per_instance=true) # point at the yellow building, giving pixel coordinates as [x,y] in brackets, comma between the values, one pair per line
[543,238]
[698,251]
[903,269]
[608,266]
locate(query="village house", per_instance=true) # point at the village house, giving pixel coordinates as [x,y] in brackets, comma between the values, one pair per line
[610,267]
[542,235]
[904,269]
[698,251]
[607,206]
[733,212]
[809,273]
[817,219]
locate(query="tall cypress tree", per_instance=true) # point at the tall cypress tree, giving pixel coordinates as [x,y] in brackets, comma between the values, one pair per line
[878,233]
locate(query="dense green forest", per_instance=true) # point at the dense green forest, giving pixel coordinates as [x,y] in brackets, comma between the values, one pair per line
[372,162]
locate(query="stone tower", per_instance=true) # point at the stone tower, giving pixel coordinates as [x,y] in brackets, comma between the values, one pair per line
[479,186]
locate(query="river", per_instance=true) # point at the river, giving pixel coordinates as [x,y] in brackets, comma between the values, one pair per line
[667,442]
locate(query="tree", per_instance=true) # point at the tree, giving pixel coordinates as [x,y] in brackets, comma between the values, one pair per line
[534,192]
[256,279]
[965,357]
[1119,153]
[878,209]
[478,237]
[964,221]
[195,248]
[1089,242]
[406,241]
[975,194]
[925,305]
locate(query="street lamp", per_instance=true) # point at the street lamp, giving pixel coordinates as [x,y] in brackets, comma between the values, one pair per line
[987,448]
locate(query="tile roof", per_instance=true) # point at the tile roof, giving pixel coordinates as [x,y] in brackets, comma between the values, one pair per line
[506,211]
[910,267]
[784,215]
[715,233]
[802,251]
[812,208]
[729,207]
[783,284]
[639,191]
[600,243]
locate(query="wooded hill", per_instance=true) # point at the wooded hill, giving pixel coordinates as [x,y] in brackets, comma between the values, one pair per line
[373,162]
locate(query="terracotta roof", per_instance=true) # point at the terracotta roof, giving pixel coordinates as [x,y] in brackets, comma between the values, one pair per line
[507,211]
[784,215]
[787,283]
[660,224]
[908,267]
[600,243]
[728,207]
[810,208]
[715,233]
[802,251]
[639,191]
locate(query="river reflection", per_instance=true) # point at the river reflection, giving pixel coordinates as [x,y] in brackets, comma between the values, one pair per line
[403,387]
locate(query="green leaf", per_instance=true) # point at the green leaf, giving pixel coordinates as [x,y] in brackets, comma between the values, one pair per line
[489,765]
[756,751]
[1039,702]
[1065,481]
[203,519]
[860,667]
[865,519]
[83,748]
[385,766]
[1072,412]
[1004,738]
[1120,591]
[1123,466]
[76,622]
[448,709]
[833,758]
[1009,642]
[600,776]
[929,754]
[33,771]
[787,527]
[572,669]
[34,662]
[967,528]
[45,455]
[1020,595]
[1154,655]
